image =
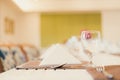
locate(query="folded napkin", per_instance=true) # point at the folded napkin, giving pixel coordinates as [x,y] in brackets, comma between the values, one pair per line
[59,55]
[48,51]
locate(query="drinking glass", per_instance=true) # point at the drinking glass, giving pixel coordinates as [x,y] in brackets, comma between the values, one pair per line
[90,41]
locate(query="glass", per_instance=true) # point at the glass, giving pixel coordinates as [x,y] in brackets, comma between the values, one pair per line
[90,41]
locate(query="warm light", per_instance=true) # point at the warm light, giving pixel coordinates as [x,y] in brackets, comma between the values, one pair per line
[23,4]
[67,5]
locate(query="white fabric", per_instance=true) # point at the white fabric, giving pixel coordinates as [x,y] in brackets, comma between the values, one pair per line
[105,59]
[72,42]
[76,49]
[77,74]
[104,46]
[48,51]
[113,48]
[59,55]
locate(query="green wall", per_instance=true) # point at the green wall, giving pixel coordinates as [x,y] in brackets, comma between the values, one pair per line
[57,27]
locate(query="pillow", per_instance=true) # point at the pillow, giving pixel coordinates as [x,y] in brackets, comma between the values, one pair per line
[18,55]
[7,61]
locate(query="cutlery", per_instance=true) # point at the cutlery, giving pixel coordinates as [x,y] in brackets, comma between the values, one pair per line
[102,70]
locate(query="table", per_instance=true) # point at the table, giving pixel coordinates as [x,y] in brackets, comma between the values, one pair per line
[32,71]
[87,73]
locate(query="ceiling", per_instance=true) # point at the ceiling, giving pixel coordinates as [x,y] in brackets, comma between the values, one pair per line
[66,5]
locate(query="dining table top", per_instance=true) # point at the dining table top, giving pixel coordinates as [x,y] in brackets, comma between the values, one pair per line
[31,70]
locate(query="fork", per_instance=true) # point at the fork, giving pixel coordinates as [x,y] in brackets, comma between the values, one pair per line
[102,70]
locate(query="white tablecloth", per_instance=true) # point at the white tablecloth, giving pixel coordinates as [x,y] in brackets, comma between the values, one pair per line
[77,74]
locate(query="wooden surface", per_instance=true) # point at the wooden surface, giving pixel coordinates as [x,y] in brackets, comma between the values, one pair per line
[35,65]
[114,70]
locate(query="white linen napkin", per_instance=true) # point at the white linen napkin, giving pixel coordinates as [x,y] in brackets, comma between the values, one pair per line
[59,55]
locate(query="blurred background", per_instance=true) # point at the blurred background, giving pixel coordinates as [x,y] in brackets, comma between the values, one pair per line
[29,27]
[45,22]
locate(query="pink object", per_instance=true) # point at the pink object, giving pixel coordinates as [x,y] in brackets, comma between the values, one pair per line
[88,35]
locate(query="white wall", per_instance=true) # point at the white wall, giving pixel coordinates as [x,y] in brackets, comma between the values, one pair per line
[0,19]
[111,25]
[26,29]
[8,11]
[30,28]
